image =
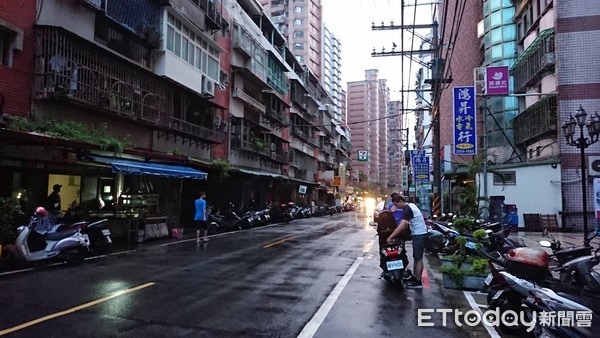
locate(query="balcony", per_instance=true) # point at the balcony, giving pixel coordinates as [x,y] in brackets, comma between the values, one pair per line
[249,100]
[242,41]
[259,149]
[281,157]
[276,77]
[536,122]
[294,159]
[538,58]
[193,129]
[69,67]
[96,5]
[123,41]
[212,9]
[73,70]
[277,116]
[249,146]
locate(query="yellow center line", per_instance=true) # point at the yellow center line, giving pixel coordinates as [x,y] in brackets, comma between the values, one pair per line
[77,308]
[278,242]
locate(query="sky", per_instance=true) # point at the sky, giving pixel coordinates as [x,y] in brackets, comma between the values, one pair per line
[350,21]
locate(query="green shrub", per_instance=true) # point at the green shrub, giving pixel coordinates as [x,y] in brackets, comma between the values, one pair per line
[10,214]
[464,225]
[71,130]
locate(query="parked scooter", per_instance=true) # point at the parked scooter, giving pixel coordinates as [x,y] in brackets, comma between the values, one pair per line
[32,246]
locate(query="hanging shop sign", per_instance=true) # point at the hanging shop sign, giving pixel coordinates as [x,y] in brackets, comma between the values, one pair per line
[465,123]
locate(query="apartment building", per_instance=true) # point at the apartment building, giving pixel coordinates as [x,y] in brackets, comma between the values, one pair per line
[556,68]
[168,90]
[301,23]
[367,111]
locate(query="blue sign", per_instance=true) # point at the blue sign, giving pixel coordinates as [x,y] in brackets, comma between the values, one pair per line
[465,132]
[420,164]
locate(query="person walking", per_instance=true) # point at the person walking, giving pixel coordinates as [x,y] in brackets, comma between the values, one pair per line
[200,219]
[412,216]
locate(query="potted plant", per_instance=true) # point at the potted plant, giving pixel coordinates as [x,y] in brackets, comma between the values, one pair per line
[465,279]
[463,225]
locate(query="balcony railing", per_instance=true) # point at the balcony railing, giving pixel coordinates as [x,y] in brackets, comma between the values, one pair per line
[71,68]
[212,9]
[238,143]
[242,41]
[534,61]
[249,100]
[278,117]
[279,157]
[123,41]
[537,121]
[193,129]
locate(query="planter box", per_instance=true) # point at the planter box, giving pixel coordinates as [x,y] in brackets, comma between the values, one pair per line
[464,266]
[470,282]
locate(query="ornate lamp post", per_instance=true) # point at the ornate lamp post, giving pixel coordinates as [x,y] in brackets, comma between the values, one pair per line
[582,142]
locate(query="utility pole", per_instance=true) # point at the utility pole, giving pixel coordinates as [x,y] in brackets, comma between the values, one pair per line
[437,67]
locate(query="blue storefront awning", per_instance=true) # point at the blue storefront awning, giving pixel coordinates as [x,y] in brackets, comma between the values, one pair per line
[146,168]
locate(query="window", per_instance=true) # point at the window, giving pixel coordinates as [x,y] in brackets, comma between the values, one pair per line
[300,58]
[298,22]
[299,46]
[298,34]
[298,9]
[505,178]
[5,50]
[192,48]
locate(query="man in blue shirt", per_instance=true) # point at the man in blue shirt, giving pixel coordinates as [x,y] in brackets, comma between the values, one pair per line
[412,218]
[200,219]
[397,211]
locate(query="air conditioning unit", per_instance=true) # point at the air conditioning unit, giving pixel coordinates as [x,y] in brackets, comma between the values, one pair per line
[548,59]
[208,87]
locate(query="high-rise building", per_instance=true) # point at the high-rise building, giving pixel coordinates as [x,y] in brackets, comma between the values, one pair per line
[332,72]
[301,24]
[367,109]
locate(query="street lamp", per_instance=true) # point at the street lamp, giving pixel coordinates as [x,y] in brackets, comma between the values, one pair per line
[582,142]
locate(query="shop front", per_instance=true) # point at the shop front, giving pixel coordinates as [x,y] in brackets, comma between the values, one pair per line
[139,194]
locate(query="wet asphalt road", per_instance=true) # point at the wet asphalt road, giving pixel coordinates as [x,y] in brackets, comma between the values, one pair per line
[264,282]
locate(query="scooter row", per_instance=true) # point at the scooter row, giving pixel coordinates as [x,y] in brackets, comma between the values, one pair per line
[562,300]
[237,219]
[442,238]
[40,240]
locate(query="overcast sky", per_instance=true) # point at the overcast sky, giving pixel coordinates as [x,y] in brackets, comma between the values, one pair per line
[350,21]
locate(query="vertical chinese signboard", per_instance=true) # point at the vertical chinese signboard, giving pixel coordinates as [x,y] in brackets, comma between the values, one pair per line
[465,132]
[420,163]
[496,80]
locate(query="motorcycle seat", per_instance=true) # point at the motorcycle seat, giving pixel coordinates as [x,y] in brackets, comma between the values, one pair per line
[60,235]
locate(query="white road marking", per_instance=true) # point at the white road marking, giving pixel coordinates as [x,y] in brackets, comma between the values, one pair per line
[61,263]
[313,325]
[492,331]
[16,271]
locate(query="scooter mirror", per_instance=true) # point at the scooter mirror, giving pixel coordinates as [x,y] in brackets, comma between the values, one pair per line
[545,244]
